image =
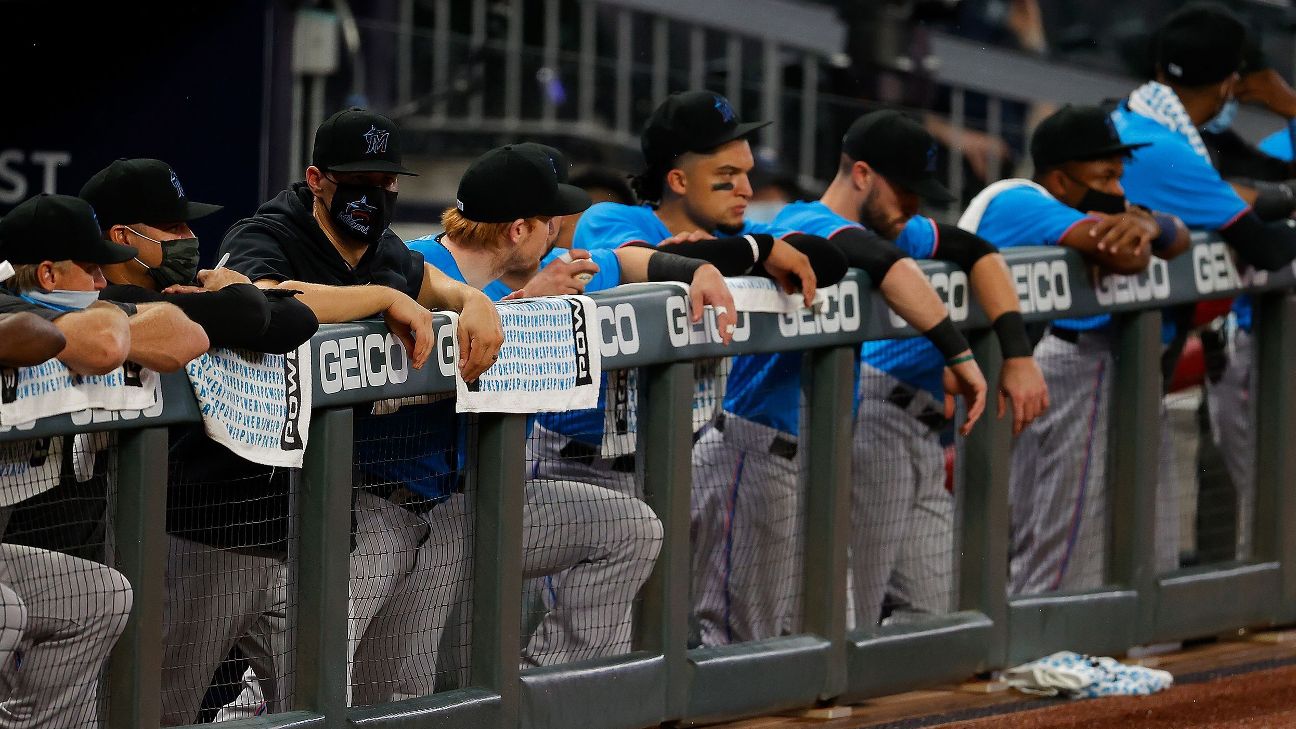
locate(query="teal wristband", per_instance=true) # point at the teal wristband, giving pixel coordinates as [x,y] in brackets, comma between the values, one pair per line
[960,359]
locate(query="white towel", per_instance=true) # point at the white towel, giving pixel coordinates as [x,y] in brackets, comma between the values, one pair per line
[755,294]
[971,218]
[28,394]
[551,360]
[257,405]
[1085,677]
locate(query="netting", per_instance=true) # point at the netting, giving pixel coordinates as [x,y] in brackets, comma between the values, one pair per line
[902,498]
[747,498]
[589,540]
[63,608]
[1058,484]
[227,644]
[410,567]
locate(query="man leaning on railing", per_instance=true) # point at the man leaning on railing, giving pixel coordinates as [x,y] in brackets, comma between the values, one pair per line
[65,612]
[227,518]
[328,238]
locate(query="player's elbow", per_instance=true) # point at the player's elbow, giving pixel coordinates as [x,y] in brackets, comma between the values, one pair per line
[98,355]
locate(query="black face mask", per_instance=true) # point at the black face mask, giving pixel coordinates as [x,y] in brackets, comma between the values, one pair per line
[362,211]
[1098,201]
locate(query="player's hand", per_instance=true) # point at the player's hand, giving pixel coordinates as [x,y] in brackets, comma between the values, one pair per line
[480,335]
[965,379]
[1129,234]
[217,279]
[412,325]
[792,270]
[692,236]
[708,288]
[1268,88]
[562,277]
[1022,382]
[184,289]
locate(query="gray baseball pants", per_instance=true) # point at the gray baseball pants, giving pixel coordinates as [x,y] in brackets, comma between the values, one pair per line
[214,597]
[75,611]
[902,518]
[746,532]
[1232,418]
[1058,483]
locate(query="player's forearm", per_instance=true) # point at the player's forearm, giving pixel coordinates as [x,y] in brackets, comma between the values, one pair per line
[993,286]
[334,304]
[908,293]
[98,339]
[27,340]
[634,262]
[164,339]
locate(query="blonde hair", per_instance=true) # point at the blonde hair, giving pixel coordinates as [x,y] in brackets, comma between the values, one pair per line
[472,234]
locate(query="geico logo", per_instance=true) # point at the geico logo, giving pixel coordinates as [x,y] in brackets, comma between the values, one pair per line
[618,330]
[952,287]
[1042,286]
[445,350]
[1213,268]
[351,363]
[682,331]
[1151,284]
[840,312]
[86,417]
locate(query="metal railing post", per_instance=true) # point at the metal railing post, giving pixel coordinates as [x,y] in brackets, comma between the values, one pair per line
[323,515]
[135,667]
[497,558]
[1275,473]
[1133,442]
[827,503]
[665,449]
[985,461]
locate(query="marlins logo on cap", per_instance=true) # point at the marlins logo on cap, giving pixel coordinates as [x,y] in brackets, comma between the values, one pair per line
[726,110]
[377,140]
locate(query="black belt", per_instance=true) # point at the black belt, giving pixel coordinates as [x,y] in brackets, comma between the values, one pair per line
[902,396]
[1071,336]
[585,453]
[779,446]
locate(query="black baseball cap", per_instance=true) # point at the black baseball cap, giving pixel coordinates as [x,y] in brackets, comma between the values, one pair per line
[692,121]
[514,182]
[898,148]
[57,228]
[1076,134]
[1201,43]
[141,191]
[561,165]
[358,140]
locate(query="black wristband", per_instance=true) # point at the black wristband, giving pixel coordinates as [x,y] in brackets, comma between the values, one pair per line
[1010,327]
[1169,231]
[949,341]
[663,266]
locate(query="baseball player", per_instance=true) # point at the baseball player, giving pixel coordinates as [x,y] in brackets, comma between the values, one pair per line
[603,542]
[1199,52]
[328,238]
[69,611]
[224,514]
[1059,463]
[902,517]
[697,191]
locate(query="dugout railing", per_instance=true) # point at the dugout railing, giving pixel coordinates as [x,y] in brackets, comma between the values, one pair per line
[663,680]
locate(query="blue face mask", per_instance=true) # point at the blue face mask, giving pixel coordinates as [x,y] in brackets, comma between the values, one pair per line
[1224,119]
[60,299]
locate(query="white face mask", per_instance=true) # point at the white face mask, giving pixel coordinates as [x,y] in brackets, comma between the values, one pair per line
[6,271]
[61,299]
[1224,119]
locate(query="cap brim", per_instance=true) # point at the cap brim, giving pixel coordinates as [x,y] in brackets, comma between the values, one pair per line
[196,210]
[373,166]
[1116,150]
[742,131]
[109,252]
[569,201]
[929,190]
